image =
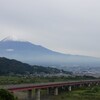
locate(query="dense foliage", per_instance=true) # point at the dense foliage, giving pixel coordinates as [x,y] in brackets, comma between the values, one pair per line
[5,95]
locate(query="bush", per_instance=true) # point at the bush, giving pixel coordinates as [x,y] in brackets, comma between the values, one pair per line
[95,89]
[6,95]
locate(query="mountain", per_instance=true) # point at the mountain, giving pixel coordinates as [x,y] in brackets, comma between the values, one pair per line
[39,55]
[9,66]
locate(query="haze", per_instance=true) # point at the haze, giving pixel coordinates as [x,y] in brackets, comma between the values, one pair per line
[68,26]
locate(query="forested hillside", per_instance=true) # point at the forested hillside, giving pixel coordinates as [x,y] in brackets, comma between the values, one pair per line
[8,66]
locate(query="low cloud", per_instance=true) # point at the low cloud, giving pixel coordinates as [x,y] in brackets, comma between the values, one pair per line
[9,50]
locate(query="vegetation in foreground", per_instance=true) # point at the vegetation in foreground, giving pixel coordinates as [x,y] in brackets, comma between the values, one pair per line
[92,93]
[83,93]
[6,95]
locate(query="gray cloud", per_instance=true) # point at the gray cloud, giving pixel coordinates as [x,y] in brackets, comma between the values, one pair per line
[69,26]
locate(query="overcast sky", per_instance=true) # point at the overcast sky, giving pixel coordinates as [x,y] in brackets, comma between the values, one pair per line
[68,26]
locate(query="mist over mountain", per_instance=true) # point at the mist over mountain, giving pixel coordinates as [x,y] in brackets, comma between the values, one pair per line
[9,66]
[39,55]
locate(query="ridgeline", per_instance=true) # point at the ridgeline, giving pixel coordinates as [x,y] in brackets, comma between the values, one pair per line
[11,66]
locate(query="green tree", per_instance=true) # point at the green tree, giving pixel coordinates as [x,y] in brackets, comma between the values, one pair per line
[6,95]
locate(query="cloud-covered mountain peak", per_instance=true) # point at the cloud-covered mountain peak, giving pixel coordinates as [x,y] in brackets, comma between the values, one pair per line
[28,52]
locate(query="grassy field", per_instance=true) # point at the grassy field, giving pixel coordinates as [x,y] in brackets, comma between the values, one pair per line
[23,79]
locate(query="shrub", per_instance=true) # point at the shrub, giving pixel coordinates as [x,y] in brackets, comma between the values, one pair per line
[6,95]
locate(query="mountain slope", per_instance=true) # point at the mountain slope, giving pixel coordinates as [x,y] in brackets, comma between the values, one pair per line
[8,66]
[36,54]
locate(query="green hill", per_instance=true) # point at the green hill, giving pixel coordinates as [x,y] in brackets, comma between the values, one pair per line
[8,66]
